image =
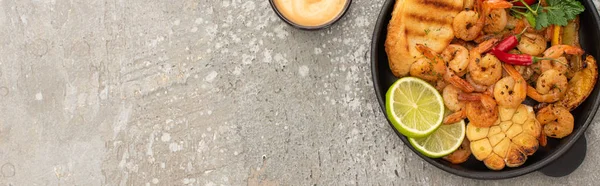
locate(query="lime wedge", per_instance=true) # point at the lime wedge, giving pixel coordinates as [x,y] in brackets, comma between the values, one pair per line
[414,107]
[442,142]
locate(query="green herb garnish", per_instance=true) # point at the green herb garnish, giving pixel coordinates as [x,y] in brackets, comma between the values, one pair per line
[558,12]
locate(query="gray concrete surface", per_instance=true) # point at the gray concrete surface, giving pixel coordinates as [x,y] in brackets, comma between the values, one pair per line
[200,92]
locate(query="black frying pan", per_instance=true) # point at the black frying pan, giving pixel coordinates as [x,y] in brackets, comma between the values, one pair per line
[558,158]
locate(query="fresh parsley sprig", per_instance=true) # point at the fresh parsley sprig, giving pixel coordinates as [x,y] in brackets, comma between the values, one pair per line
[558,12]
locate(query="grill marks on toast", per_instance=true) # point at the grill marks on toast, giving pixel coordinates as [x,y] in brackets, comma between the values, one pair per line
[428,19]
[439,12]
[430,22]
[440,5]
[421,25]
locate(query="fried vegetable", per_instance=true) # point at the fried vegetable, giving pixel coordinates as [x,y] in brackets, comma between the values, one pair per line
[556,35]
[570,35]
[509,141]
[576,64]
[581,85]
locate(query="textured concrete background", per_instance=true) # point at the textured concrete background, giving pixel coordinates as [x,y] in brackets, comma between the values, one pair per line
[200,92]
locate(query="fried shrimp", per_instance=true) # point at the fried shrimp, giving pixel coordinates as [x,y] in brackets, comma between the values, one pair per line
[556,52]
[487,70]
[510,91]
[426,69]
[457,57]
[551,86]
[468,24]
[481,110]
[496,21]
[461,154]
[431,67]
[532,44]
[560,64]
[557,121]
[450,95]
[559,50]
[455,117]
[477,87]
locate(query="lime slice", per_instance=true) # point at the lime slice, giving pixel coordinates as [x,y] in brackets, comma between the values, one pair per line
[414,107]
[442,142]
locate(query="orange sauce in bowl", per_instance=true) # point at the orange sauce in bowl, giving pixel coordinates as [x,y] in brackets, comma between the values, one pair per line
[310,12]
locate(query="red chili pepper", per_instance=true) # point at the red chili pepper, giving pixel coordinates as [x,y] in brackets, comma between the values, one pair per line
[509,43]
[517,59]
[529,2]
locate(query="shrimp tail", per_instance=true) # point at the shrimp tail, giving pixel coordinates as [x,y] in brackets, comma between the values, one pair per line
[535,95]
[489,91]
[478,6]
[486,45]
[458,82]
[546,115]
[455,117]
[497,4]
[483,38]
[469,96]
[574,51]
[439,65]
[558,50]
[511,70]
[521,25]
[516,76]
[542,139]
[426,51]
[488,102]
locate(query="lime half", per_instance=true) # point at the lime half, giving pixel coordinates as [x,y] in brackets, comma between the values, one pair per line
[414,107]
[442,142]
